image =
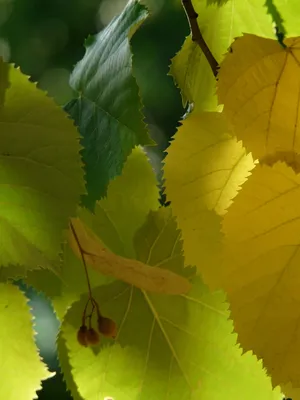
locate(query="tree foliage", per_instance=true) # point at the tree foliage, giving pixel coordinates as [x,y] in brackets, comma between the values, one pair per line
[195,300]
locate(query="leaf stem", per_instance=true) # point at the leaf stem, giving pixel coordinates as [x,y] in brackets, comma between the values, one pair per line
[197,36]
[83,261]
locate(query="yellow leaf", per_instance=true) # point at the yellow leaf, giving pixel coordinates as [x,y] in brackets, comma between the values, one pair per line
[219,26]
[261,268]
[134,272]
[259,85]
[203,171]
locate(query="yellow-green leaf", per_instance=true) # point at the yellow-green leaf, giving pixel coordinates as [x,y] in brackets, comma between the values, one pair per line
[86,244]
[21,368]
[219,26]
[176,347]
[259,86]
[204,169]
[41,176]
[118,216]
[261,268]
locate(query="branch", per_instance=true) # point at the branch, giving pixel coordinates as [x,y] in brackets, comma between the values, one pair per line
[197,36]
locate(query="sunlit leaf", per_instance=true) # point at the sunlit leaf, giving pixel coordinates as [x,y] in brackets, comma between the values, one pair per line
[261,268]
[21,368]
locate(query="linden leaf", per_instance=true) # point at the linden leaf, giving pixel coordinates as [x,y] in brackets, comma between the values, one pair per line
[41,176]
[259,87]
[218,2]
[84,242]
[21,368]
[289,11]
[176,347]
[261,268]
[219,26]
[204,169]
[107,110]
[118,216]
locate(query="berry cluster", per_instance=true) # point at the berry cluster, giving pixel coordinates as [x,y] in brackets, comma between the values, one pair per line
[87,335]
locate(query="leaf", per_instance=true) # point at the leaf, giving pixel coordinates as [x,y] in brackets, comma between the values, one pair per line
[219,26]
[21,368]
[176,347]
[220,3]
[291,392]
[107,110]
[41,175]
[261,268]
[118,216]
[84,242]
[259,89]
[204,169]
[289,11]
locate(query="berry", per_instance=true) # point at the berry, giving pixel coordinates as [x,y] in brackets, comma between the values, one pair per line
[82,335]
[92,337]
[107,327]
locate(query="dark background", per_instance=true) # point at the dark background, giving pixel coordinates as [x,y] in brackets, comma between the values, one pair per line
[45,38]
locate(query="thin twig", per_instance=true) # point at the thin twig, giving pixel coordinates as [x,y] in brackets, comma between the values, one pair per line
[197,36]
[83,261]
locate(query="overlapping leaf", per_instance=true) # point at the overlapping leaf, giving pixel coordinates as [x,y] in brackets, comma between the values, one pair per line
[41,176]
[289,12]
[260,92]
[129,199]
[219,26]
[107,109]
[261,268]
[176,347]
[21,368]
[204,168]
[88,246]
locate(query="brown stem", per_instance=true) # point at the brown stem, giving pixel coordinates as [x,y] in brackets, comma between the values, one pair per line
[197,36]
[83,261]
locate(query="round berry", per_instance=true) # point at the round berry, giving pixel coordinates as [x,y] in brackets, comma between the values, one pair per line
[107,327]
[82,335]
[92,337]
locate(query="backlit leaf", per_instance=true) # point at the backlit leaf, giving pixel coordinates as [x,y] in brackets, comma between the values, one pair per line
[176,347]
[118,216]
[84,242]
[261,268]
[21,368]
[41,176]
[204,169]
[260,92]
[219,26]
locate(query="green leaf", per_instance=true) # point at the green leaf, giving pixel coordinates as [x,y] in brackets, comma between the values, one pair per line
[219,26]
[117,218]
[41,176]
[175,347]
[220,3]
[107,109]
[21,368]
[289,12]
